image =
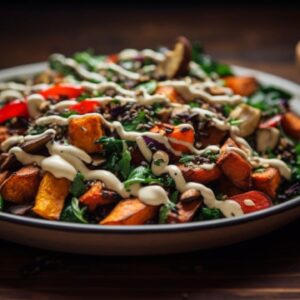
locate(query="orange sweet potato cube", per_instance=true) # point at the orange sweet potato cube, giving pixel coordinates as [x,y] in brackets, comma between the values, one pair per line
[85,131]
[267,181]
[130,212]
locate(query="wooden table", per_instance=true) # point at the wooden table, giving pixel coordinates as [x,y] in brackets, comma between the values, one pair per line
[262,38]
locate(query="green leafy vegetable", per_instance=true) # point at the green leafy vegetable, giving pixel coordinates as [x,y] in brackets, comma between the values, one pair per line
[210,214]
[37,129]
[296,166]
[269,100]
[158,162]
[149,86]
[211,155]
[141,175]
[227,109]
[78,186]
[174,197]
[67,114]
[1,203]
[165,210]
[270,153]
[186,158]
[88,59]
[235,122]
[132,125]
[73,213]
[56,65]
[118,157]
[208,64]
[124,163]
[194,104]
[259,169]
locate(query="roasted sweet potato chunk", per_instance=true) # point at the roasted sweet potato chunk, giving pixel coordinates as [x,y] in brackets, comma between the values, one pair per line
[234,166]
[130,212]
[197,174]
[267,181]
[85,131]
[97,196]
[291,124]
[227,187]
[51,196]
[3,176]
[171,93]
[22,185]
[185,212]
[176,133]
[242,85]
[213,136]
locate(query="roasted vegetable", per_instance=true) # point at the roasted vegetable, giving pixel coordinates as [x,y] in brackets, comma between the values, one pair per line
[176,133]
[177,61]
[227,187]
[170,93]
[234,166]
[14,109]
[62,91]
[252,201]
[85,131]
[267,139]
[291,124]
[267,181]
[51,196]
[212,136]
[190,195]
[97,196]
[22,185]
[242,85]
[248,117]
[130,212]
[185,211]
[198,174]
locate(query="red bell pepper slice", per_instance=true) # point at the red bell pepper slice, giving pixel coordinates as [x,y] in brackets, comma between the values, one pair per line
[14,109]
[259,201]
[272,122]
[62,90]
[85,107]
[113,58]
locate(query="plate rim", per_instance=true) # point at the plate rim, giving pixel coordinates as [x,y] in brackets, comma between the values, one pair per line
[27,69]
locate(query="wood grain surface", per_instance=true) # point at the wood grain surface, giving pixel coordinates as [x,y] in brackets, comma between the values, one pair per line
[258,37]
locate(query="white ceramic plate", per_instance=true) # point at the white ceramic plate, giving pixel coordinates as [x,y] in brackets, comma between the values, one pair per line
[148,239]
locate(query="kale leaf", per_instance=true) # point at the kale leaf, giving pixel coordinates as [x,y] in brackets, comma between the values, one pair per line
[73,213]
[209,65]
[78,186]
[142,175]
[118,157]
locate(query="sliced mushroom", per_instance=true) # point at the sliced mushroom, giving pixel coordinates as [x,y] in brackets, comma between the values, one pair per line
[249,117]
[267,138]
[177,61]
[36,145]
[20,209]
[164,114]
[31,146]
[190,195]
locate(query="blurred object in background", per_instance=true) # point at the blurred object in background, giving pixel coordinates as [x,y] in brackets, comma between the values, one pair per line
[298,55]
[259,34]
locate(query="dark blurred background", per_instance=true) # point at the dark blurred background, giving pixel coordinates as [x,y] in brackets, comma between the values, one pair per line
[259,34]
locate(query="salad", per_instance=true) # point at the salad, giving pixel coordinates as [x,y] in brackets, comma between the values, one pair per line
[145,137]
